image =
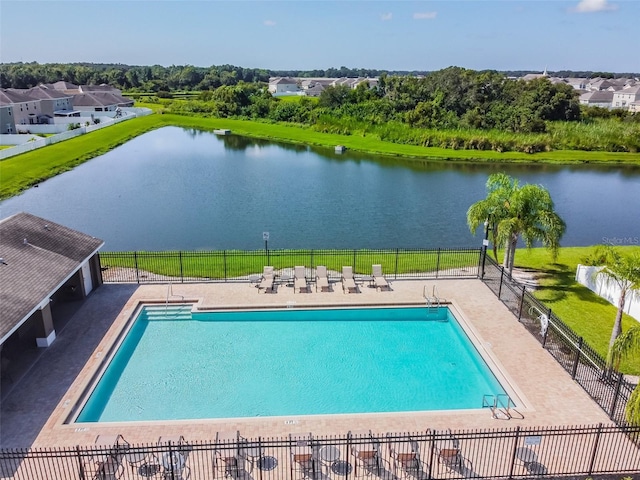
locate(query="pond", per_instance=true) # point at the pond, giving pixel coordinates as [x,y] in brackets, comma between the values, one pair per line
[183,189]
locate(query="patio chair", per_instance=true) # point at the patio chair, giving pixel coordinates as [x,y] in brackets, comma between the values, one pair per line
[267,280]
[108,461]
[348,282]
[303,461]
[405,453]
[449,454]
[174,459]
[226,458]
[378,278]
[322,281]
[299,280]
[367,452]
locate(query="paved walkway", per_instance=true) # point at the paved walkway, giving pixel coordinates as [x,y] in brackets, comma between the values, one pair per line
[35,411]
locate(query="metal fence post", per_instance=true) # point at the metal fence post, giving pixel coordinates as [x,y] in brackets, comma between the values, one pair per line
[524,291]
[181,268]
[438,264]
[395,276]
[354,260]
[80,463]
[224,262]
[595,449]
[577,360]
[513,454]
[432,453]
[546,332]
[501,280]
[616,395]
[135,258]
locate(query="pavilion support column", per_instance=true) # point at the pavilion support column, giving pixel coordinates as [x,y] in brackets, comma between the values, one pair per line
[45,333]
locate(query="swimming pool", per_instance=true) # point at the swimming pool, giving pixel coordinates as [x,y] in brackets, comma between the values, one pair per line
[173,364]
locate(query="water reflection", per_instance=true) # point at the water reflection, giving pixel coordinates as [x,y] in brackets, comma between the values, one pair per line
[177,188]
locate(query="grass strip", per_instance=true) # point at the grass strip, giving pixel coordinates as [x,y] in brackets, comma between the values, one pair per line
[588,314]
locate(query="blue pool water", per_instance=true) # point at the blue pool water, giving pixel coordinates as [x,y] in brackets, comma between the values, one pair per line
[290,362]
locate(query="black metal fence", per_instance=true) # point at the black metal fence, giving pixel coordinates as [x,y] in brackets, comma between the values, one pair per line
[239,266]
[607,388]
[495,453]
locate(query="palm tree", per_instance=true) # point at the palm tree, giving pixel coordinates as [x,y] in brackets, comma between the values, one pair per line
[513,211]
[625,346]
[624,272]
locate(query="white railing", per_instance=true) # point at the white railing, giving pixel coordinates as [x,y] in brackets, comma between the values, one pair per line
[128,114]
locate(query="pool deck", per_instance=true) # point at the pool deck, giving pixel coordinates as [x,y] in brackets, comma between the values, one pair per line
[34,411]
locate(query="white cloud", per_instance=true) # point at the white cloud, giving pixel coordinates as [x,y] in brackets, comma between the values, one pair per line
[270,23]
[386,16]
[424,15]
[587,6]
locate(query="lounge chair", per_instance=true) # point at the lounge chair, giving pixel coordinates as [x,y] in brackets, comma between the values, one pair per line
[348,282]
[299,280]
[322,281]
[267,280]
[378,278]
[405,453]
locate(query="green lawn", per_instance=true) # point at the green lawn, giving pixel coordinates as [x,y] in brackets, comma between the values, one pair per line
[22,171]
[585,312]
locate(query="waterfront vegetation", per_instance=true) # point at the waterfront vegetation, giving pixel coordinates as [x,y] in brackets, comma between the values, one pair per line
[22,171]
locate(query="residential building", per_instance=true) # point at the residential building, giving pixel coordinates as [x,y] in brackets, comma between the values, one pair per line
[623,98]
[25,109]
[53,103]
[100,102]
[597,98]
[7,122]
[283,86]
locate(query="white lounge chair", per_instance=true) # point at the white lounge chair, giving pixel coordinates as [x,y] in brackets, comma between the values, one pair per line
[299,280]
[267,280]
[348,282]
[322,281]
[378,278]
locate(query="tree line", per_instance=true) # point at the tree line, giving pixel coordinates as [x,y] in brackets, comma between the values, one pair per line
[158,78]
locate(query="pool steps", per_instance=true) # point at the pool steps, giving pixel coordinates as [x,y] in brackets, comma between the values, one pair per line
[171,312]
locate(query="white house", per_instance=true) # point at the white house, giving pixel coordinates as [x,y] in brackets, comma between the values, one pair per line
[597,98]
[283,86]
[623,98]
[25,110]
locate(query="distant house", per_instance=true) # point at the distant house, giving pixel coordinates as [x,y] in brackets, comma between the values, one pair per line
[625,97]
[100,102]
[53,103]
[99,88]
[7,122]
[66,87]
[634,107]
[283,86]
[597,98]
[25,110]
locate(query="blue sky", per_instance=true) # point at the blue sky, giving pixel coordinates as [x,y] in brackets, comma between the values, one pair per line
[598,35]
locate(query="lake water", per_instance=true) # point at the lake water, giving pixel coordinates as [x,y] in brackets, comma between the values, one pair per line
[181,189]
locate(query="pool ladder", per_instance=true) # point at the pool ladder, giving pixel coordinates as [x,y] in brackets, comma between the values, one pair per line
[170,294]
[433,300]
[501,406]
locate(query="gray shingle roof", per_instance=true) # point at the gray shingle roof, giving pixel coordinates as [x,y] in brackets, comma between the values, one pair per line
[30,272]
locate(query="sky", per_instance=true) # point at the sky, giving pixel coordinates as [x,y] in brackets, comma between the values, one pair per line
[579,35]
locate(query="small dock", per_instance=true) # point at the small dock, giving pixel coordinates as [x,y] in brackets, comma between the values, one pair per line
[222,131]
[340,149]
